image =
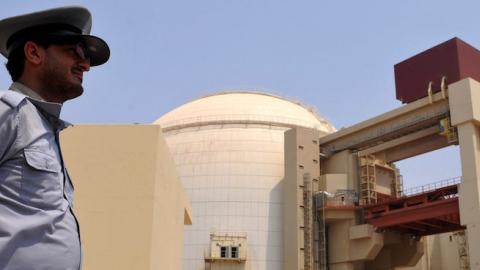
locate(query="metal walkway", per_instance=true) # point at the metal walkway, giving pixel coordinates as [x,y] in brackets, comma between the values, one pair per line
[420,211]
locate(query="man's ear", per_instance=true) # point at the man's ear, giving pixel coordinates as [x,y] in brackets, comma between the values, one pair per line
[34,53]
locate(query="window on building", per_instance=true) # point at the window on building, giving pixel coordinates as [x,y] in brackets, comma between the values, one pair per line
[234,252]
[223,252]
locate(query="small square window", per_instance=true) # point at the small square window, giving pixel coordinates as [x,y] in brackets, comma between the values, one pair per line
[223,252]
[235,252]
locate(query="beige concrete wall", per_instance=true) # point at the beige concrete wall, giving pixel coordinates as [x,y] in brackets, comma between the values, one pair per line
[399,250]
[226,266]
[384,181]
[440,253]
[301,156]
[339,242]
[333,182]
[350,245]
[446,256]
[342,163]
[128,199]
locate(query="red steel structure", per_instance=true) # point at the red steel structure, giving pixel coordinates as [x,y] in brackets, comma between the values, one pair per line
[453,60]
[431,212]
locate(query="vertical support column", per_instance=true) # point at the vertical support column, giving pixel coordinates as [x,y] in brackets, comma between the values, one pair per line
[464,101]
[470,188]
[302,155]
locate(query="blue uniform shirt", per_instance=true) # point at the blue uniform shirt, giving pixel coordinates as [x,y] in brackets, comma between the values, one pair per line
[38,229]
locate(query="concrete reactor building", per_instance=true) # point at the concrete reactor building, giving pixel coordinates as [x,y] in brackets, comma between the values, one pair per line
[229,152]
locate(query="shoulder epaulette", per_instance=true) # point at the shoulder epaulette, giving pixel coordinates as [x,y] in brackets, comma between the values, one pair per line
[11,98]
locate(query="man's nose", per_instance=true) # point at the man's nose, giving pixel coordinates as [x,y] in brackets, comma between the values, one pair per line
[85,64]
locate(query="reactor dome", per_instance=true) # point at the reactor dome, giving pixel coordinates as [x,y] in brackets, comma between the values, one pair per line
[229,152]
[244,106]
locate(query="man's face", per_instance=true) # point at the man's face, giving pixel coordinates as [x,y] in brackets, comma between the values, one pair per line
[62,71]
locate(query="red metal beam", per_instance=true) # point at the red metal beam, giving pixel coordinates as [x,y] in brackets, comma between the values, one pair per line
[431,195]
[414,227]
[430,223]
[437,231]
[426,211]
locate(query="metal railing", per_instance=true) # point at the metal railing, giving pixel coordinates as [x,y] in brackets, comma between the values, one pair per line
[432,186]
[342,197]
[226,118]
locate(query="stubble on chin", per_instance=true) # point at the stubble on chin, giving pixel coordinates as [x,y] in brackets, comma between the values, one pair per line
[57,87]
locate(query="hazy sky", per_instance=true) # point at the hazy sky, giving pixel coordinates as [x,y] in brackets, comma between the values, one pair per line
[336,56]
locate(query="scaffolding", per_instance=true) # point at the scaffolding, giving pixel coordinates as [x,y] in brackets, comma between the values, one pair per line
[368,194]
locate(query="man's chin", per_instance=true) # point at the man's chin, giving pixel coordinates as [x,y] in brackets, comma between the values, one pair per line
[61,87]
[72,92]
[75,93]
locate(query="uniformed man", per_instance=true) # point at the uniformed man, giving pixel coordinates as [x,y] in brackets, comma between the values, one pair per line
[47,53]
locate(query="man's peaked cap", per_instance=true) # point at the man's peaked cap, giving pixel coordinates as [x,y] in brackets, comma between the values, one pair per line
[71,23]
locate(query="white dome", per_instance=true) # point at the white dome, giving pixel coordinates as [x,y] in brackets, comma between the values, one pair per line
[229,153]
[253,107]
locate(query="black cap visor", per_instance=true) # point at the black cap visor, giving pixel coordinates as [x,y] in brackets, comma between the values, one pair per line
[96,48]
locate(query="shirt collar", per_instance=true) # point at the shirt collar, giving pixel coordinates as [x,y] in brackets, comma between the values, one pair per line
[25,90]
[50,109]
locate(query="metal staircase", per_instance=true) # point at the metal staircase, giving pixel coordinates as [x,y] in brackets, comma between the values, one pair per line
[308,222]
[321,256]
